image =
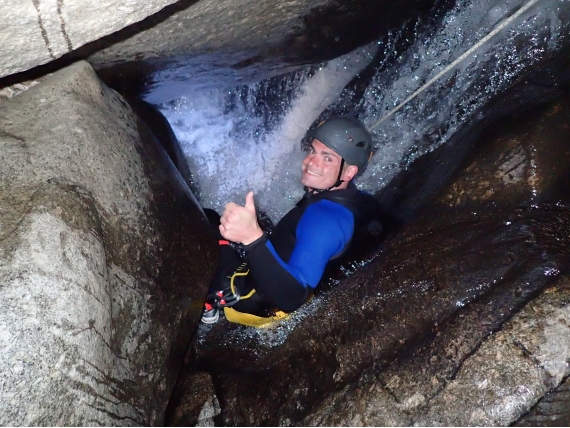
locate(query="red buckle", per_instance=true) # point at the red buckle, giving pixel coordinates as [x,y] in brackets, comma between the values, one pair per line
[223,242]
[208,307]
[220,293]
[222,302]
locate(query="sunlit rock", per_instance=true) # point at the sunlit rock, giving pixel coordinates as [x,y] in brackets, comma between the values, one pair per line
[39,31]
[105,259]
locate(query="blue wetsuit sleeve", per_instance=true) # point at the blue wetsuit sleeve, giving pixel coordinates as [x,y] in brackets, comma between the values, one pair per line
[323,231]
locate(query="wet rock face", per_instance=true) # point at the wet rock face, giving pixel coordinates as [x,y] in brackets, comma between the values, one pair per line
[551,410]
[408,338]
[501,122]
[198,406]
[105,259]
[241,43]
[505,376]
[522,163]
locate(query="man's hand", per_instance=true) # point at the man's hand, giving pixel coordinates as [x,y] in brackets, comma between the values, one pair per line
[239,224]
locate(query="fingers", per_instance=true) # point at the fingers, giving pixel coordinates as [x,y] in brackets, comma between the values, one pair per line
[249,203]
[239,223]
[230,206]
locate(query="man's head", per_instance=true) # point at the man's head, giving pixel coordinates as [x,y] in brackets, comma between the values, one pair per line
[339,149]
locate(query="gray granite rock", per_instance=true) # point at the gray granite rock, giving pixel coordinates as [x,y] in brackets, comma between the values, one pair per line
[495,386]
[105,260]
[38,31]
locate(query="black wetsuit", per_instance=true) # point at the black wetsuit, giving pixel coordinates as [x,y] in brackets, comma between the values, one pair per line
[286,265]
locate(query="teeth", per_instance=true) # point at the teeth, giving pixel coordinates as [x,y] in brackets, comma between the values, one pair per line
[312,173]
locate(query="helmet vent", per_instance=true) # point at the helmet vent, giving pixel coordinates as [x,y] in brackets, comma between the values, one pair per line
[361,144]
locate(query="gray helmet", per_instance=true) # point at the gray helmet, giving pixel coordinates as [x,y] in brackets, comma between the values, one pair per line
[348,137]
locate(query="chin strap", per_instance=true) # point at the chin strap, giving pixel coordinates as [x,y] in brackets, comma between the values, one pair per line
[336,184]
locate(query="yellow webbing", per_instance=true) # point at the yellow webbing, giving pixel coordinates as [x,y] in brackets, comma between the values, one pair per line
[233,277]
[253,320]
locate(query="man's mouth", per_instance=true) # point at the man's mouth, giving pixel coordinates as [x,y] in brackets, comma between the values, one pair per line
[313,173]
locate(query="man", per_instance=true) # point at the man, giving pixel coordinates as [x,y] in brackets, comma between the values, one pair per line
[261,273]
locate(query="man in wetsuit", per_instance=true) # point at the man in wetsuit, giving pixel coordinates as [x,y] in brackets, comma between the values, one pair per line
[260,273]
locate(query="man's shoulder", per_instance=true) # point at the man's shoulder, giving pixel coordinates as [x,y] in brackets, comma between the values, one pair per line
[326,221]
[325,211]
[355,200]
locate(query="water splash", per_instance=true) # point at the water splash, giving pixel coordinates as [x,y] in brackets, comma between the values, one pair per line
[233,148]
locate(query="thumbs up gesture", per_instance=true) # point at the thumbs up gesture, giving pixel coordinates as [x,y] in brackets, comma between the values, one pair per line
[239,224]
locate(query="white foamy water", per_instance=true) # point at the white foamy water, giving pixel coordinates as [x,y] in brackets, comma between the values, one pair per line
[229,149]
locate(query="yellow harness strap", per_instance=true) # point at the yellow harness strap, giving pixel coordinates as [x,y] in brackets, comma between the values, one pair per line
[253,320]
[238,272]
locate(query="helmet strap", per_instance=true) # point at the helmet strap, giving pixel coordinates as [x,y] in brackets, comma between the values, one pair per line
[338,180]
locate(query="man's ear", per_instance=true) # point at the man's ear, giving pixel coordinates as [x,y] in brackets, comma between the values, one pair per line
[349,172]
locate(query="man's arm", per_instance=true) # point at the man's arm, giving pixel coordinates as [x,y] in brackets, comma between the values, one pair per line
[323,231]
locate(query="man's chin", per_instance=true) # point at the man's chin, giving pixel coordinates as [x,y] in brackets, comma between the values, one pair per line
[307,183]
[313,187]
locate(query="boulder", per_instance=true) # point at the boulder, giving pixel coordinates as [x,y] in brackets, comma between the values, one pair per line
[106,258]
[39,31]
[551,410]
[523,161]
[505,376]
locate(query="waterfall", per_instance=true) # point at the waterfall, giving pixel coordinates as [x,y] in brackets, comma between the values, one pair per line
[248,138]
[235,142]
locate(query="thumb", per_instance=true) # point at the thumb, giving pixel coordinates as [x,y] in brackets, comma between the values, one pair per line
[249,204]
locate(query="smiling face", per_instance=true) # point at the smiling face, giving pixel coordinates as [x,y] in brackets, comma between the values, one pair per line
[321,166]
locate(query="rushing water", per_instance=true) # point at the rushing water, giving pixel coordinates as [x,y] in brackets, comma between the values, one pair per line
[248,138]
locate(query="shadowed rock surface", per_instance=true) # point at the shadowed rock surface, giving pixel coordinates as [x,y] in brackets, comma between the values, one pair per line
[160,127]
[242,43]
[413,323]
[199,405]
[105,259]
[493,386]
